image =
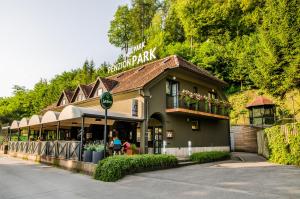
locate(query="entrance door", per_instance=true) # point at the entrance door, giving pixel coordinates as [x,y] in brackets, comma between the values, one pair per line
[157,141]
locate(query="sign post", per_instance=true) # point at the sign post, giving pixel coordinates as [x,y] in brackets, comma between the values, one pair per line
[106,101]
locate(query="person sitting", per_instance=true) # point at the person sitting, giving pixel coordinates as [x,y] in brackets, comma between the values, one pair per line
[117,146]
[126,146]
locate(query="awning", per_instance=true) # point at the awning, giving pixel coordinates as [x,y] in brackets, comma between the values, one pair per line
[23,123]
[50,117]
[35,120]
[73,112]
[15,125]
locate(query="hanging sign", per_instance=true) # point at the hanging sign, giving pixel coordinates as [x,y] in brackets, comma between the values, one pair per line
[134,107]
[140,58]
[106,100]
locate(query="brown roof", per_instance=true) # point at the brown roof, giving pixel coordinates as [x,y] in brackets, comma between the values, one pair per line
[86,89]
[140,76]
[108,83]
[260,101]
[69,94]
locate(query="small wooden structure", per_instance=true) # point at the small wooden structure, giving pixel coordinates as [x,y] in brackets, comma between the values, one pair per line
[261,112]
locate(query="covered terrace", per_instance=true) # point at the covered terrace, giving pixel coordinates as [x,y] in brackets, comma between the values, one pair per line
[54,133]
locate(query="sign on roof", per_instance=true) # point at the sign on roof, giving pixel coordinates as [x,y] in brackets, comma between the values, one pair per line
[142,57]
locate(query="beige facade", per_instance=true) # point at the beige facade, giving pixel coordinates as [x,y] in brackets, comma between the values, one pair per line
[147,109]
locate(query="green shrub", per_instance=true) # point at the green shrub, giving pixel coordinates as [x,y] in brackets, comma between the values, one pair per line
[211,156]
[114,168]
[284,148]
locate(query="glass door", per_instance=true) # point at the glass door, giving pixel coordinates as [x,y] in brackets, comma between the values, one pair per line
[174,93]
[157,142]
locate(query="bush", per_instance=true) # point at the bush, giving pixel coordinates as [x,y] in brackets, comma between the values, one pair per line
[284,148]
[114,168]
[211,156]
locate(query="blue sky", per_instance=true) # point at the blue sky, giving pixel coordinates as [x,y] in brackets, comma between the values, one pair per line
[42,38]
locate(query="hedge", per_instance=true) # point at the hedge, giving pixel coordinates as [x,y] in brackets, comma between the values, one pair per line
[211,156]
[116,167]
[284,148]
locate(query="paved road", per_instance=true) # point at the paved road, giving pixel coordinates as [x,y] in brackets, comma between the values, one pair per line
[229,179]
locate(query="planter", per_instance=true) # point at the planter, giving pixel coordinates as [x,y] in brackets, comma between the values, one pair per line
[197,106]
[214,109]
[87,156]
[97,156]
[206,107]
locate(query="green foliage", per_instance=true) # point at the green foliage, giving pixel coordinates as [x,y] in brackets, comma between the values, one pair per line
[284,148]
[25,103]
[114,168]
[278,52]
[211,156]
[94,147]
[248,43]
[120,32]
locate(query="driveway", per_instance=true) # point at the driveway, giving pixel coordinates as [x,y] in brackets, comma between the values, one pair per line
[253,178]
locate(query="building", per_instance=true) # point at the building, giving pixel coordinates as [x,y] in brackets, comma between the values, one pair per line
[262,112]
[166,106]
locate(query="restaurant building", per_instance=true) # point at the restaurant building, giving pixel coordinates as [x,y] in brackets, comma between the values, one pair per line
[167,106]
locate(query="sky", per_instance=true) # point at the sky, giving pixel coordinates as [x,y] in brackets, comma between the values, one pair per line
[42,38]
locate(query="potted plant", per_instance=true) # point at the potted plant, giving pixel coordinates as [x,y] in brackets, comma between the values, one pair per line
[132,149]
[98,154]
[88,152]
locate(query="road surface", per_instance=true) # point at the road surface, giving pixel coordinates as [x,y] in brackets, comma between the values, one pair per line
[253,178]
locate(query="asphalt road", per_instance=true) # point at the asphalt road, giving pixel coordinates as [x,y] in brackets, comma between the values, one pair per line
[229,179]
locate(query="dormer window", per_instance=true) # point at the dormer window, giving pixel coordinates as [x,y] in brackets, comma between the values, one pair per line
[80,97]
[99,92]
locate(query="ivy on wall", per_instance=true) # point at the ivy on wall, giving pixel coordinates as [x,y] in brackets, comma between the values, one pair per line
[284,144]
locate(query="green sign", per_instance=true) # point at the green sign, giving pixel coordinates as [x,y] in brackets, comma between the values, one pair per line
[106,100]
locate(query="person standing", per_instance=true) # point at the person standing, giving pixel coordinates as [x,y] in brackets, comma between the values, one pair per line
[117,146]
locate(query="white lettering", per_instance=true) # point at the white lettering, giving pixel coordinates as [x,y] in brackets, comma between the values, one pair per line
[146,54]
[140,60]
[134,58]
[152,55]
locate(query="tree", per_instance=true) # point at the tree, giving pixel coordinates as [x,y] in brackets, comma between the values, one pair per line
[142,13]
[277,63]
[120,32]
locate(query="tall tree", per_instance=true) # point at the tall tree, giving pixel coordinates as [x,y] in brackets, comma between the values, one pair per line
[278,54]
[120,32]
[142,12]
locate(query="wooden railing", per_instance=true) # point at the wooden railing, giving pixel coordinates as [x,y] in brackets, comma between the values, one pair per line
[57,149]
[177,102]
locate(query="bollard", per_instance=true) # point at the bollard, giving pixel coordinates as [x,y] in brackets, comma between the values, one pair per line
[164,147]
[190,147]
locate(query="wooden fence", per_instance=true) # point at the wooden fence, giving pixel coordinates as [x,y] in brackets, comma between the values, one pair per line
[57,149]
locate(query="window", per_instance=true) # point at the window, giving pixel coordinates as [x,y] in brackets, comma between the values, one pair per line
[195,89]
[63,101]
[80,97]
[99,92]
[212,95]
[168,87]
[195,125]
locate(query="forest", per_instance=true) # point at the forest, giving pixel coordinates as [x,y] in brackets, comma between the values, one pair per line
[251,44]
